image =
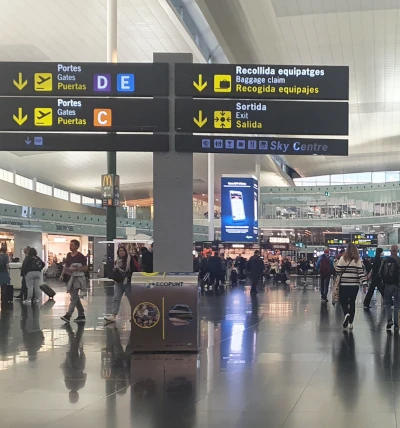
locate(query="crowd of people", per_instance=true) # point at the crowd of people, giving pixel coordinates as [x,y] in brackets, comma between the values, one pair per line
[344,274]
[75,276]
[215,269]
[348,271]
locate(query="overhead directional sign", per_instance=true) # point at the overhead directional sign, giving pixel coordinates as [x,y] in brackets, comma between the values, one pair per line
[262,117]
[262,81]
[63,141]
[83,114]
[83,79]
[261,145]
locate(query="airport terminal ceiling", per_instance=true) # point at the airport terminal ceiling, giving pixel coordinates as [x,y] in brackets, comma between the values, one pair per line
[363,34]
[57,33]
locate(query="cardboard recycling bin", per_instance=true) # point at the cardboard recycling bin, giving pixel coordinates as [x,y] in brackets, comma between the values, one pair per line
[165,316]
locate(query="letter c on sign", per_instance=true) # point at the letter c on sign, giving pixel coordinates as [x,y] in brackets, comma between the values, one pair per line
[296,146]
[102,117]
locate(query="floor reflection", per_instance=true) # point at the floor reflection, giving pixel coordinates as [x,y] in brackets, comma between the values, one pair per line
[278,359]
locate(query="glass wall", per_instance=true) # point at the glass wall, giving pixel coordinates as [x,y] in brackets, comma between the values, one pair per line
[355,178]
[371,200]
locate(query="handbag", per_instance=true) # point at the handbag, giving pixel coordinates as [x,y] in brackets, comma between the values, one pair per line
[117,276]
[336,286]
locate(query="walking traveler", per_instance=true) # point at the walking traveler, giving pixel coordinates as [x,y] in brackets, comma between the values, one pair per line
[214,267]
[6,288]
[255,269]
[287,266]
[31,269]
[305,267]
[325,268]
[390,274]
[224,268]
[75,267]
[376,280]
[274,268]
[122,275]
[146,260]
[351,271]
[24,291]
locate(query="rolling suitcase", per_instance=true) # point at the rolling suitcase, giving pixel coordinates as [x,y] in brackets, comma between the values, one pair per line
[48,290]
[7,294]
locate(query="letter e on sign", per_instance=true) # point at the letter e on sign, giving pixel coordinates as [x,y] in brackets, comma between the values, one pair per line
[102,117]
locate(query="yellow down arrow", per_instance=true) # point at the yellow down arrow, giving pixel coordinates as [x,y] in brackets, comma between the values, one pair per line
[20,119]
[21,83]
[200,86]
[200,122]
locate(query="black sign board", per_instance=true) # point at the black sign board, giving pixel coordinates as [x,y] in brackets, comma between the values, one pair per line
[83,79]
[83,114]
[337,239]
[365,239]
[284,247]
[110,190]
[262,117]
[62,142]
[260,145]
[262,81]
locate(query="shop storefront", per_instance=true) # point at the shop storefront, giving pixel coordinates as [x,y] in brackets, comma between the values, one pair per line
[7,240]
[56,247]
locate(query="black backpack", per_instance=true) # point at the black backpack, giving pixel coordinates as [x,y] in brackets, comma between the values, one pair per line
[37,264]
[390,274]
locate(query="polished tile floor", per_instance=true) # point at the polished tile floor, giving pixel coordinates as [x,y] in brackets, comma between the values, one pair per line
[279,359]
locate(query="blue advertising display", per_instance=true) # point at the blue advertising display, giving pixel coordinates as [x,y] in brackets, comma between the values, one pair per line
[239,209]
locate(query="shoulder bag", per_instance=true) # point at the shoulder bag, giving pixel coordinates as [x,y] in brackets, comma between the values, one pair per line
[336,286]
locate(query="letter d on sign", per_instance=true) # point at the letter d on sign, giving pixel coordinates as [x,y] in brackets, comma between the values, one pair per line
[102,82]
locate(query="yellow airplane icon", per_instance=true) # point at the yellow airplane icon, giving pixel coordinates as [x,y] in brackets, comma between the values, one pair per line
[43,82]
[43,116]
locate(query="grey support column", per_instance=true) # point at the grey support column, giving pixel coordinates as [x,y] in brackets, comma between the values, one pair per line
[211,196]
[173,192]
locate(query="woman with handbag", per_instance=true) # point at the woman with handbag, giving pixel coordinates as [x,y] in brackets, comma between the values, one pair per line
[122,273]
[350,276]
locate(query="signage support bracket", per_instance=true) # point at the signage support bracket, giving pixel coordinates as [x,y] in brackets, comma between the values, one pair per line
[112,51]
[211,196]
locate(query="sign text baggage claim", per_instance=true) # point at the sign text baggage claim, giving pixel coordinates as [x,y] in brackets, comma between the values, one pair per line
[259,83]
[242,116]
[64,112]
[67,73]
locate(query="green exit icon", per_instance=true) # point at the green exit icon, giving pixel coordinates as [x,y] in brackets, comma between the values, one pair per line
[327,194]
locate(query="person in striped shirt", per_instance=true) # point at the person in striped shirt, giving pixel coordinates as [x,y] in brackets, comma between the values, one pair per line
[350,268]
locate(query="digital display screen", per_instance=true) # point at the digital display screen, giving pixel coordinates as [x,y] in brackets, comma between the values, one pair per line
[239,209]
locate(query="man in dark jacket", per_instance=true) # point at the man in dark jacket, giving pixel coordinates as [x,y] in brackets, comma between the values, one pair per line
[390,274]
[255,267]
[376,281]
[214,267]
[147,260]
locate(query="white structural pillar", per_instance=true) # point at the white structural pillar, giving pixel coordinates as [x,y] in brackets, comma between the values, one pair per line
[211,196]
[112,30]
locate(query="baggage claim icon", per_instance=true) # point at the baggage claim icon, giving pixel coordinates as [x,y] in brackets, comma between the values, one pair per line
[223,119]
